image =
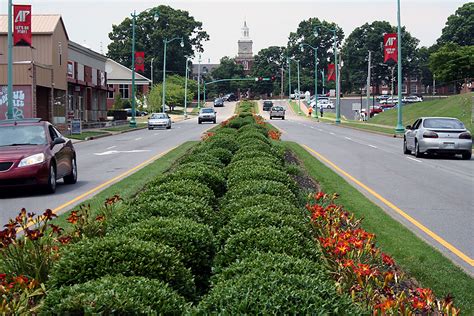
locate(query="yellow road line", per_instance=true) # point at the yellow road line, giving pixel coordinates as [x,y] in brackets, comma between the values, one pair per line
[97,188]
[426,230]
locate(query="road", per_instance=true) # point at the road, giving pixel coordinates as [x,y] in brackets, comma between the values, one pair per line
[436,192]
[104,159]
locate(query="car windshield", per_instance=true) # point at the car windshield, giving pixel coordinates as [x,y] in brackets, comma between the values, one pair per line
[443,123]
[158,116]
[207,111]
[22,135]
[277,108]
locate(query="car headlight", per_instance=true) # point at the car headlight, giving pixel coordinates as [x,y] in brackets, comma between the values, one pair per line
[32,160]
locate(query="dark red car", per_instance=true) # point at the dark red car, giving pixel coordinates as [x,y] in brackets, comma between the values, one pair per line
[33,152]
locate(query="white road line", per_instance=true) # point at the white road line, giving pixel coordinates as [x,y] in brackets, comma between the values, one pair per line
[156,134]
[320,130]
[139,138]
[332,133]
[348,138]
[111,147]
[414,159]
[373,146]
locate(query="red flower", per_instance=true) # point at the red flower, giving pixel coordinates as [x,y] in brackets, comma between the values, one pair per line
[326,242]
[342,248]
[56,229]
[418,303]
[387,259]
[320,195]
[363,269]
[73,218]
[348,263]
[385,305]
[100,218]
[48,214]
[65,239]
[34,234]
[357,243]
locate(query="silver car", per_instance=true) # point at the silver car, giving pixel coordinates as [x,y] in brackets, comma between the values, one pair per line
[207,115]
[444,135]
[159,120]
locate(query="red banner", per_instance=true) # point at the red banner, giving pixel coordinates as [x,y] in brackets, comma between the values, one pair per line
[22,25]
[390,44]
[140,61]
[331,72]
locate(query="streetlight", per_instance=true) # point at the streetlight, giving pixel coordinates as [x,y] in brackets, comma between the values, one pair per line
[151,66]
[302,45]
[288,60]
[134,15]
[165,43]
[299,90]
[338,100]
[399,128]
[186,90]
[10,62]
[199,82]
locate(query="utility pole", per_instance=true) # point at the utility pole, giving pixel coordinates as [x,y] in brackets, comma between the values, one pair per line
[323,77]
[281,87]
[289,78]
[399,128]
[199,82]
[10,62]
[369,68]
[151,64]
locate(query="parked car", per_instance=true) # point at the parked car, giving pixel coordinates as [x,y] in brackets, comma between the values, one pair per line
[159,120]
[277,111]
[230,97]
[374,110]
[412,99]
[219,102]
[382,97]
[438,135]
[324,103]
[267,105]
[34,153]
[207,115]
[297,95]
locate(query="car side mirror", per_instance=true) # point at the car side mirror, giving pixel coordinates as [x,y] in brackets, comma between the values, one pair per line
[408,127]
[57,141]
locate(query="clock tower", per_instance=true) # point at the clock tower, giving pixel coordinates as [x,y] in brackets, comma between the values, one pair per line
[245,54]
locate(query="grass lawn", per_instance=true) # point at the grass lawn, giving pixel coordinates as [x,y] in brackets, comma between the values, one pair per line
[459,106]
[295,108]
[427,265]
[84,135]
[125,127]
[131,185]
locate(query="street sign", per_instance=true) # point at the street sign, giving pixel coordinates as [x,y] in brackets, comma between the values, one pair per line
[76,126]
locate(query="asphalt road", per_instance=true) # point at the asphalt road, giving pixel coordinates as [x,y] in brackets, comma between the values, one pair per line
[104,159]
[436,192]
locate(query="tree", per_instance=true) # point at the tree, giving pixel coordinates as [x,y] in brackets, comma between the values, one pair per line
[268,63]
[228,69]
[174,93]
[453,62]
[370,37]
[459,27]
[323,40]
[149,35]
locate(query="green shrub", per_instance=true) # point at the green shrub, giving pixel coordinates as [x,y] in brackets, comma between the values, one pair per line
[227,131]
[252,154]
[270,239]
[238,122]
[126,216]
[185,187]
[252,135]
[258,161]
[246,113]
[253,187]
[218,141]
[224,155]
[92,259]
[256,146]
[277,293]
[204,158]
[261,217]
[261,173]
[194,241]
[254,127]
[115,295]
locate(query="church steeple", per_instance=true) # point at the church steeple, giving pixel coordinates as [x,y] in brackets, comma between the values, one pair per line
[245,31]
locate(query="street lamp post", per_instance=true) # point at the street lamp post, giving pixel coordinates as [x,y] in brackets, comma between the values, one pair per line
[151,66]
[186,90]
[165,43]
[399,128]
[289,78]
[199,82]
[315,49]
[299,90]
[323,79]
[10,62]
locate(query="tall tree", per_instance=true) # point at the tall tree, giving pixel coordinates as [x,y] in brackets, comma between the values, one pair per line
[323,39]
[149,35]
[459,27]
[370,37]
[269,62]
[174,93]
[453,63]
[228,69]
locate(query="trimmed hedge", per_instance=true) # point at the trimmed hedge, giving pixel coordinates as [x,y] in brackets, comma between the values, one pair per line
[254,187]
[265,172]
[92,259]
[261,217]
[221,141]
[261,200]
[258,161]
[194,241]
[252,154]
[271,239]
[254,128]
[277,293]
[224,155]
[252,135]
[115,295]
[240,121]
[185,187]
[204,158]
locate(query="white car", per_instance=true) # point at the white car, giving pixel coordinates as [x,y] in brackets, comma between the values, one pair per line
[324,103]
[390,100]
[159,120]
[412,99]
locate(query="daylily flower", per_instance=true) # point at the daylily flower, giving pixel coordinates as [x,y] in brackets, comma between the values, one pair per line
[48,214]
[387,259]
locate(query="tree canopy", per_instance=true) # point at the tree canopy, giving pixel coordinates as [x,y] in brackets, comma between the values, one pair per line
[149,36]
[459,27]
[174,93]
[268,62]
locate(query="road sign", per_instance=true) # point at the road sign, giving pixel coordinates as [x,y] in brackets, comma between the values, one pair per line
[76,126]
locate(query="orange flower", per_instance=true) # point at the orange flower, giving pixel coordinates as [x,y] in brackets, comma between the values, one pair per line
[342,248]
[326,242]
[418,303]
[348,263]
[48,214]
[73,218]
[363,269]
[100,218]
[387,259]
[358,243]
[385,305]
[320,195]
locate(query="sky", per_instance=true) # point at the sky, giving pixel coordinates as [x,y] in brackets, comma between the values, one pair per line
[89,22]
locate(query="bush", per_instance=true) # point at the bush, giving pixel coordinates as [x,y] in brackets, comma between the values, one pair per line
[276,285]
[115,295]
[252,154]
[92,259]
[126,216]
[253,187]
[252,134]
[240,121]
[185,187]
[258,161]
[261,173]
[256,146]
[246,113]
[261,217]
[204,158]
[217,141]
[194,241]
[254,127]
[224,155]
[271,239]
[227,131]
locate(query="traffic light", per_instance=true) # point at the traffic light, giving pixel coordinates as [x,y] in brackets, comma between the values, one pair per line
[273,78]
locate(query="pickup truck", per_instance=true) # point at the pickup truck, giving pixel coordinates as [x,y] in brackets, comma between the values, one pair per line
[277,111]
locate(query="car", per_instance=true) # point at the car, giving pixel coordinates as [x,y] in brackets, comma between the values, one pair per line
[374,110]
[267,105]
[324,103]
[207,115]
[159,120]
[430,135]
[277,111]
[230,97]
[382,97]
[412,99]
[297,95]
[219,102]
[34,153]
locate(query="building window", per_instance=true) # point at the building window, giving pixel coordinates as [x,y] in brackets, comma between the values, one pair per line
[414,88]
[110,94]
[404,89]
[123,89]
[245,64]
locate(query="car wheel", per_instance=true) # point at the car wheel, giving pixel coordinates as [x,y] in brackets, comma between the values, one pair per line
[72,177]
[467,155]
[149,128]
[283,118]
[271,117]
[168,127]
[405,149]
[199,122]
[214,121]
[51,186]
[418,154]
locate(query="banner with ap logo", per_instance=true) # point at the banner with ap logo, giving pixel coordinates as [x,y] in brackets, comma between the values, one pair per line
[22,25]
[390,47]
